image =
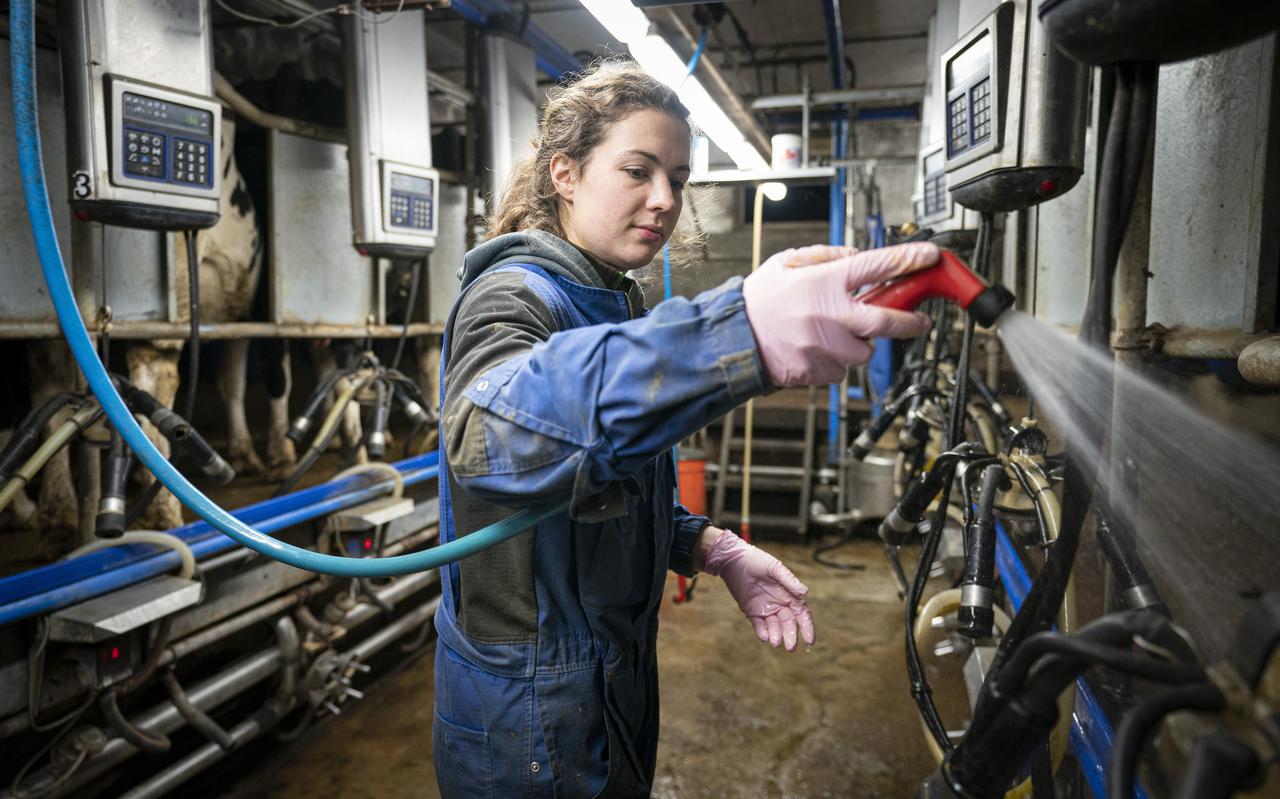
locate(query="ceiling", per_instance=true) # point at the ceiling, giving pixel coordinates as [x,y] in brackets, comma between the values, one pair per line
[761,46]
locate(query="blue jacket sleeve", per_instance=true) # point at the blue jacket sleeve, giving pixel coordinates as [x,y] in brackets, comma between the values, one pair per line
[586,407]
[689,527]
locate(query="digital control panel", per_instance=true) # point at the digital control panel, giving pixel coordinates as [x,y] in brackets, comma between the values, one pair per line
[144,129]
[1014,110]
[410,195]
[163,142]
[412,202]
[933,199]
[970,114]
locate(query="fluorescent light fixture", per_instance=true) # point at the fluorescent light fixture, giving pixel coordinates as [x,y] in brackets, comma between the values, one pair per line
[629,25]
[774,191]
[625,22]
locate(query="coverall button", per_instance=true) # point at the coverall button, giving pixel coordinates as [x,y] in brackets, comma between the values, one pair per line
[534,767]
[482,385]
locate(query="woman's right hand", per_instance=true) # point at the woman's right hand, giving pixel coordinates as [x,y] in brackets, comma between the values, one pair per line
[808,327]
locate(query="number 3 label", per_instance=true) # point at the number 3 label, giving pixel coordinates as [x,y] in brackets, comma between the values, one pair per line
[80,185]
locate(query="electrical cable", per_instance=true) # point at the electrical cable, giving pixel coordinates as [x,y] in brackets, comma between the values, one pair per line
[68,723]
[845,538]
[193,336]
[341,8]
[1141,720]
[408,311]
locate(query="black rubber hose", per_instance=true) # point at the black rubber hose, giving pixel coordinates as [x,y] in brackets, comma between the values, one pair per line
[197,718]
[898,527]
[877,427]
[376,440]
[159,642]
[408,311]
[988,396]
[1138,725]
[152,743]
[111,519]
[312,455]
[193,337]
[1220,765]
[303,421]
[920,690]
[1112,631]
[28,434]
[976,617]
[994,752]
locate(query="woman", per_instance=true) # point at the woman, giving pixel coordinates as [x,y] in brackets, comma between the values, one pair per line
[556,383]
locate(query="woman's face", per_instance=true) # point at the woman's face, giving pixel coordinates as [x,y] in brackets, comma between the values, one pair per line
[623,205]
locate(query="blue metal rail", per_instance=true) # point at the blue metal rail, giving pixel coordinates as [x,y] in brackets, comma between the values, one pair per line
[58,585]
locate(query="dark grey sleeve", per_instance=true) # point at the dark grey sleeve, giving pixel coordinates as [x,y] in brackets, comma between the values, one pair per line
[500,318]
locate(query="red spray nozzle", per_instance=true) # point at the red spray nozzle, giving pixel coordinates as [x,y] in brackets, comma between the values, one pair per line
[951,279]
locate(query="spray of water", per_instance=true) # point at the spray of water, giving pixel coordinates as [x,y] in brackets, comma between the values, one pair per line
[1204,506]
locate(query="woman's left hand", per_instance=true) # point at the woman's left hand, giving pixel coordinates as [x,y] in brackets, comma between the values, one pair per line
[766,591]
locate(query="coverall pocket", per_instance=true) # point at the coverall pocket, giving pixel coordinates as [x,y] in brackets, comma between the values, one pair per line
[463,767]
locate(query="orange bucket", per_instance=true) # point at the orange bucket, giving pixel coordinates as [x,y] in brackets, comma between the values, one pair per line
[692,476]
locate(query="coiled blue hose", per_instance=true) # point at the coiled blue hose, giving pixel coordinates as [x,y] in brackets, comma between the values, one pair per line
[31,164]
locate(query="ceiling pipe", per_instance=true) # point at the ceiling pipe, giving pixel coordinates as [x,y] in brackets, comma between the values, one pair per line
[719,88]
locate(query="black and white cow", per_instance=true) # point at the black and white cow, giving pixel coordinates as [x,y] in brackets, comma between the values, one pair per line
[231,265]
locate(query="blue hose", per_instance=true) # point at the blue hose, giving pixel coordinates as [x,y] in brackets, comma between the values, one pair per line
[31,164]
[697,54]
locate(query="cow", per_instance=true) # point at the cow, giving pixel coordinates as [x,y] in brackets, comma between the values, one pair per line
[230,257]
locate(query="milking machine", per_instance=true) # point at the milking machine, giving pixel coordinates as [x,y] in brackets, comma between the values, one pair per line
[126,653]
[966,465]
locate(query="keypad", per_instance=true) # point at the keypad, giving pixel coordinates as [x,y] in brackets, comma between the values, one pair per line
[958,110]
[935,189]
[981,110]
[411,210]
[191,162]
[143,153]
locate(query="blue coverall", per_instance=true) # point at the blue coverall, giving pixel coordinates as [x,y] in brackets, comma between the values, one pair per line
[553,384]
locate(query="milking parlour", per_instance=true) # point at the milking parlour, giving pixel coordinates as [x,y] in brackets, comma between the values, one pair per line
[640,398]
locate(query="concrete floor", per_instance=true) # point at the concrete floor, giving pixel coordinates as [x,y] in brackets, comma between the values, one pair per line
[739,719]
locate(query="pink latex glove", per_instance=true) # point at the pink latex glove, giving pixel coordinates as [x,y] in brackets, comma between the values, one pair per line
[808,328]
[766,591]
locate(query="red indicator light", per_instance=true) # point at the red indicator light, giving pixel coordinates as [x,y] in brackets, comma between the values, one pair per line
[368,543]
[115,653]
[82,216]
[1048,186]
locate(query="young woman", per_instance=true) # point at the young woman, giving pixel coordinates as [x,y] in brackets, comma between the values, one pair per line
[556,383]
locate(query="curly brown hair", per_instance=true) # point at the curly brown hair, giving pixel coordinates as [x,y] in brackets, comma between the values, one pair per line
[577,117]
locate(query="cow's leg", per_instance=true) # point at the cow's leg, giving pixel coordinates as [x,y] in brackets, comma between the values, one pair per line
[232,375]
[278,380]
[154,369]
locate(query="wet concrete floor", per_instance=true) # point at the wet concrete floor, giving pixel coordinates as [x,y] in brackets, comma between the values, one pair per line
[739,719]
